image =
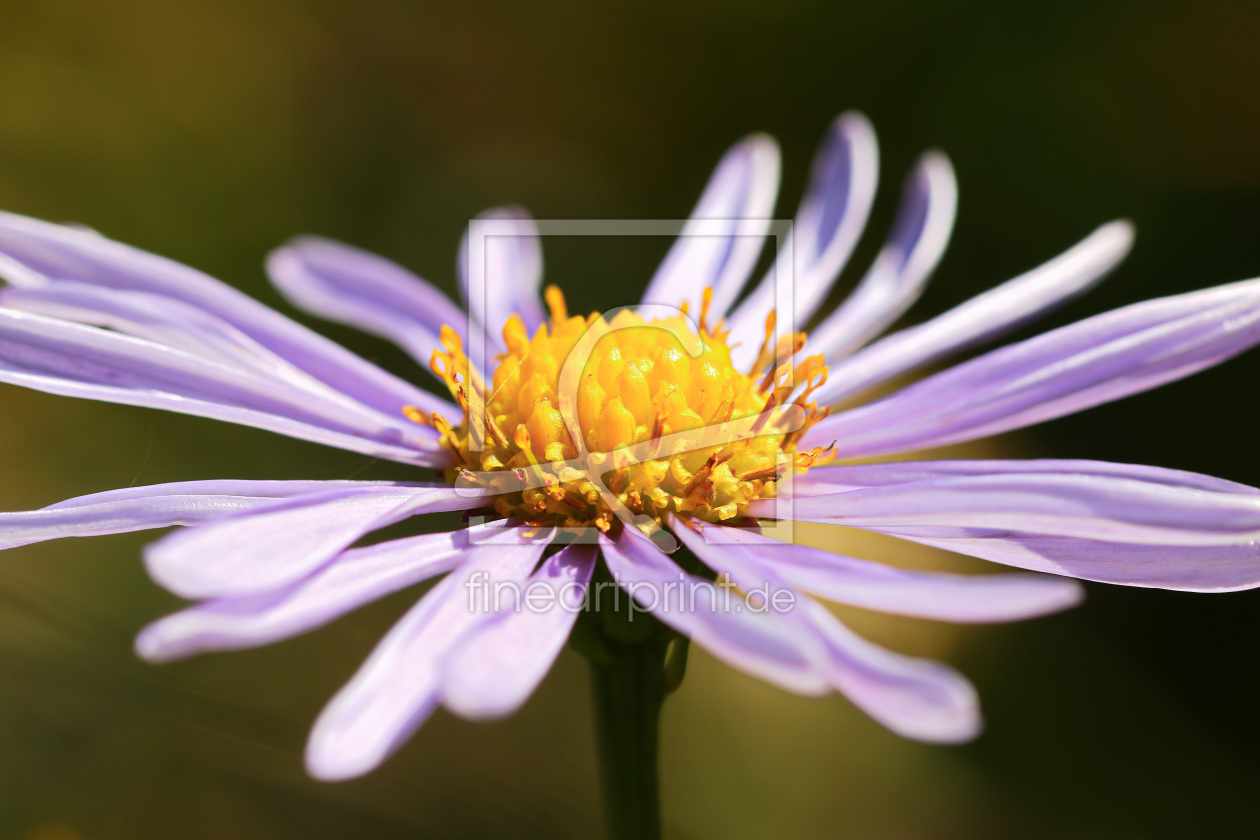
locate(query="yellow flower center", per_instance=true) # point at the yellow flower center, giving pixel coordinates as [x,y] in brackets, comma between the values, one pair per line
[590,420]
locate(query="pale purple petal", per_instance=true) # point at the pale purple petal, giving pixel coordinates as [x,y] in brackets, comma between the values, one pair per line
[494,670]
[901,270]
[160,319]
[34,250]
[182,326]
[353,287]
[1060,372]
[398,687]
[509,268]
[836,479]
[1179,561]
[827,227]
[357,577]
[877,586]
[1188,568]
[284,542]
[719,245]
[983,317]
[71,359]
[1099,507]
[759,643]
[915,698]
[153,506]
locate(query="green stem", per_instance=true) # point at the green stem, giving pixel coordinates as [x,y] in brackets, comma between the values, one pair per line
[628,692]
[636,661]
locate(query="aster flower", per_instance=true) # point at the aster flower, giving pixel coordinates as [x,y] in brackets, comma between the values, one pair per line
[700,427]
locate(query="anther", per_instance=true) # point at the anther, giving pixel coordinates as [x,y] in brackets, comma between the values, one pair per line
[706,301]
[555,302]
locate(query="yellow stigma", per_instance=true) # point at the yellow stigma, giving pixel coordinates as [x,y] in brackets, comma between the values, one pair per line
[664,420]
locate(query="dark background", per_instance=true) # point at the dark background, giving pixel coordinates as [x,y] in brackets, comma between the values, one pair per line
[212,131]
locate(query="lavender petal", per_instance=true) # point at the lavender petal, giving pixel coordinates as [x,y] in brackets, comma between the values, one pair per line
[399,685]
[1097,360]
[286,541]
[828,225]
[497,666]
[512,271]
[32,251]
[983,317]
[1097,507]
[154,506]
[901,270]
[1199,561]
[915,698]
[837,479]
[182,326]
[1186,568]
[71,359]
[719,245]
[877,586]
[353,287]
[357,577]
[757,643]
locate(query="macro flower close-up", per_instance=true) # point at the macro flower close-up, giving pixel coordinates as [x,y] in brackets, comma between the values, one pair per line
[552,501]
[682,426]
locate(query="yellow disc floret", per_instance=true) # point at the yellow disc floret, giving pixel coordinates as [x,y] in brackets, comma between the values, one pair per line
[590,419]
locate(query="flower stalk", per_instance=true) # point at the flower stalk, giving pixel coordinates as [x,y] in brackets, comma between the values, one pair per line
[629,691]
[636,662]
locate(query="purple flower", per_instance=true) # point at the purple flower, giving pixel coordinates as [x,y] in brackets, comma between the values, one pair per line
[741,411]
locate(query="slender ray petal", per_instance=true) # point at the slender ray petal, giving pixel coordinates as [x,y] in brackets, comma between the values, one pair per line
[902,268]
[357,577]
[353,287]
[497,666]
[398,687]
[512,266]
[1188,568]
[876,586]
[71,359]
[913,697]
[828,224]
[181,326]
[1092,507]
[58,252]
[286,541]
[758,643]
[720,243]
[1097,360]
[154,506]
[820,480]
[985,316]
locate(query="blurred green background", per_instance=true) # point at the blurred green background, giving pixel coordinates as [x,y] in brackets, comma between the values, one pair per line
[212,130]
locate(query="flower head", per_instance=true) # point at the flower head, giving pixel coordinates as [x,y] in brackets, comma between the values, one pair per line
[656,406]
[694,417]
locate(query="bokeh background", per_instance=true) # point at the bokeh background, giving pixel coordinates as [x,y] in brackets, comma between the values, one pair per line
[212,130]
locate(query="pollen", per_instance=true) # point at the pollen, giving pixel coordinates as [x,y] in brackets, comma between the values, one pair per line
[589,420]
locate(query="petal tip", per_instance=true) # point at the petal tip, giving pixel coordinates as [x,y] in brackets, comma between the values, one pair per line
[855,128]
[148,645]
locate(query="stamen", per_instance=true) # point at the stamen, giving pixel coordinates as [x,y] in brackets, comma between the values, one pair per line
[763,354]
[706,470]
[766,473]
[416,415]
[706,300]
[555,302]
